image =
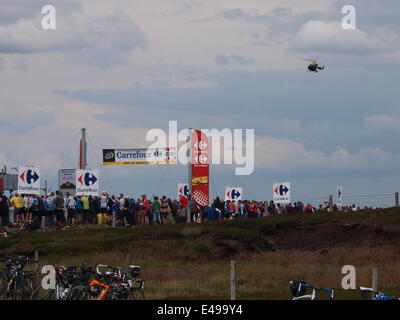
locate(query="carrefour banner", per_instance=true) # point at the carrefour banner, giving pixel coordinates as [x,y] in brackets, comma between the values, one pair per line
[281,192]
[28,180]
[183,189]
[114,157]
[87,182]
[200,168]
[233,193]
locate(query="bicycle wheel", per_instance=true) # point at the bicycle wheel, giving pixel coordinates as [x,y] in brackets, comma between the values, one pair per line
[77,293]
[136,294]
[22,288]
[43,294]
[3,284]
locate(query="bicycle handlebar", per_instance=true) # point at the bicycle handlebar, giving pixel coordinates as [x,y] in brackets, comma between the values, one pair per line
[113,268]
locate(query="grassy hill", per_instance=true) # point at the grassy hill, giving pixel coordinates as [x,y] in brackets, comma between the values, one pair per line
[192,261]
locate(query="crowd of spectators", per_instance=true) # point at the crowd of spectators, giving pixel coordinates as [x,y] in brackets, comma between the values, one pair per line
[124,211]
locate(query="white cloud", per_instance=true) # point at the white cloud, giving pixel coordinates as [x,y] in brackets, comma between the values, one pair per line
[45,144]
[285,154]
[330,37]
[104,40]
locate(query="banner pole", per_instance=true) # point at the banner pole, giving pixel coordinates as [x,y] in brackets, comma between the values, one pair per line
[189,141]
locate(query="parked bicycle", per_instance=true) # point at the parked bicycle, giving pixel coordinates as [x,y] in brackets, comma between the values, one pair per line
[66,279]
[110,283]
[15,283]
[371,294]
[299,288]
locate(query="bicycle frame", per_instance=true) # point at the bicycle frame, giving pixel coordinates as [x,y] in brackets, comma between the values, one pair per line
[313,294]
[103,294]
[376,294]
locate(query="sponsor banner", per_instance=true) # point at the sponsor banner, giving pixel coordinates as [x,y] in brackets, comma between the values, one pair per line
[28,180]
[115,157]
[233,193]
[200,168]
[66,180]
[87,182]
[281,192]
[183,189]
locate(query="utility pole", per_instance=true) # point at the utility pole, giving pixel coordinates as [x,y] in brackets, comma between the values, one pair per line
[189,153]
[83,150]
[190,142]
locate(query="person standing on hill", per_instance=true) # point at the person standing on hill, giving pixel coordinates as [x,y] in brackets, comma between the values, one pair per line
[71,208]
[192,209]
[59,208]
[184,203]
[49,209]
[4,210]
[218,204]
[85,208]
[18,203]
[79,210]
[156,210]
[165,210]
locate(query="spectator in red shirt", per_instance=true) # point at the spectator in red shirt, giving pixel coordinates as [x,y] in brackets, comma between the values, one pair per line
[184,204]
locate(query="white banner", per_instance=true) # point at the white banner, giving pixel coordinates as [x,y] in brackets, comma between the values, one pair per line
[87,182]
[114,157]
[183,189]
[28,180]
[281,192]
[66,180]
[233,193]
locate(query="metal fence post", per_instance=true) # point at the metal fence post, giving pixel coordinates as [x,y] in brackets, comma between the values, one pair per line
[113,219]
[375,279]
[233,280]
[37,268]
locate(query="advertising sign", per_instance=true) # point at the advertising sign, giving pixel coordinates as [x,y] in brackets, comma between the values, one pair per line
[87,182]
[66,180]
[233,193]
[115,157]
[183,189]
[200,168]
[281,192]
[28,180]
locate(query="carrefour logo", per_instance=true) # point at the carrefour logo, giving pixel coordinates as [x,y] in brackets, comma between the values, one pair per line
[88,179]
[29,176]
[233,194]
[158,153]
[281,190]
[184,190]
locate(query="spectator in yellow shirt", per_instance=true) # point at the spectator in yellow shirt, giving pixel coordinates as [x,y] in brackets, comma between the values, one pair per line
[18,204]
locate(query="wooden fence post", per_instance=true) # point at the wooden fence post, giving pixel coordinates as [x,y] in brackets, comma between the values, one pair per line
[43,225]
[37,268]
[128,262]
[233,280]
[396,199]
[375,279]
[113,219]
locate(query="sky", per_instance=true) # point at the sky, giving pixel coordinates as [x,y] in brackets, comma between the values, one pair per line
[120,68]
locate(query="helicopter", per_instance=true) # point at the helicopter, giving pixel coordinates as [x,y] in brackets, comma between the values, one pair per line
[314,66]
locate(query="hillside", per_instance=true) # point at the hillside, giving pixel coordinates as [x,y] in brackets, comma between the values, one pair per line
[192,261]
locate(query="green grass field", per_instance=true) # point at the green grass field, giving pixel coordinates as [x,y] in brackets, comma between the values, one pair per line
[192,261]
